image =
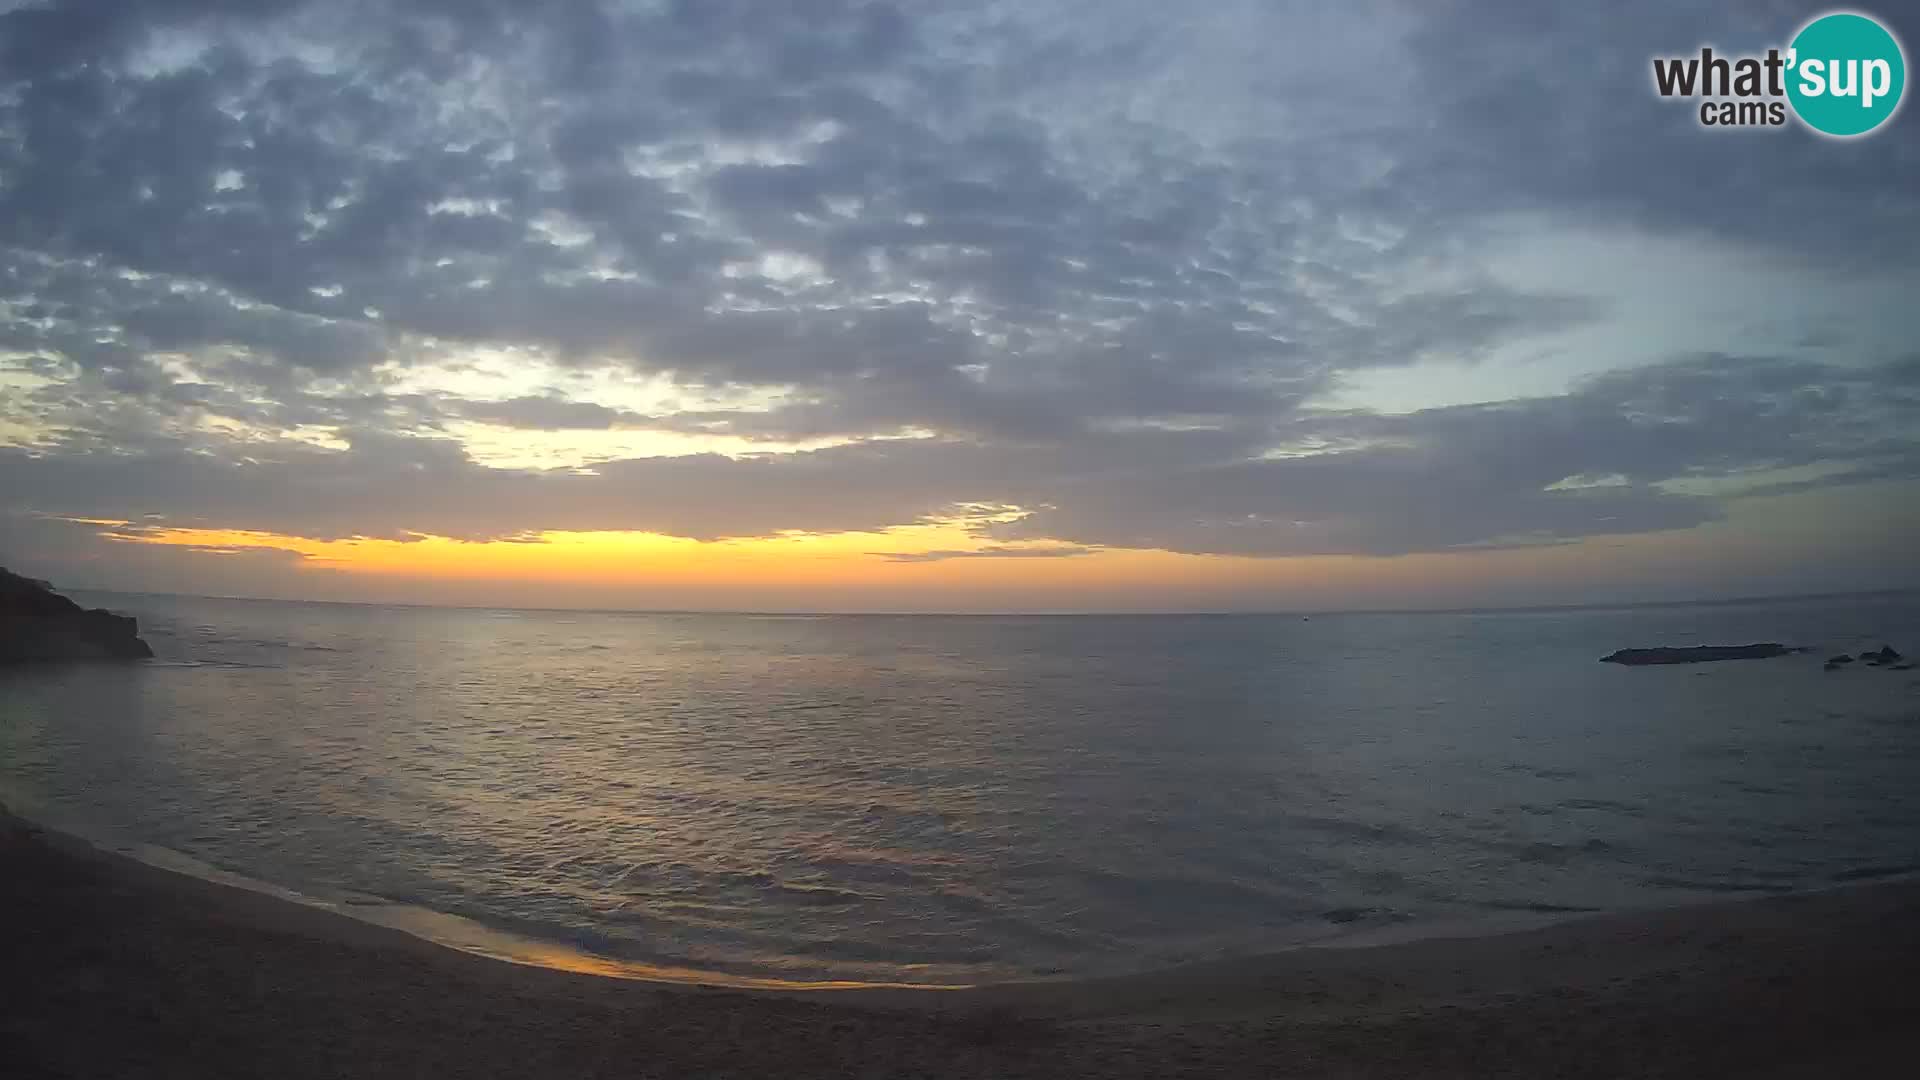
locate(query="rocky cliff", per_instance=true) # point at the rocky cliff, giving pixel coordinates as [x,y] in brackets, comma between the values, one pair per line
[38,624]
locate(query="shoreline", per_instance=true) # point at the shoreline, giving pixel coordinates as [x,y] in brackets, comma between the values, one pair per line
[197,977]
[439,929]
[465,935]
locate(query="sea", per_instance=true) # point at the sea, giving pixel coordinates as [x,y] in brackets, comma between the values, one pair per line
[950,800]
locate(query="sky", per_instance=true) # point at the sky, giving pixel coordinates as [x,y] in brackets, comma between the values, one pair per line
[1048,305]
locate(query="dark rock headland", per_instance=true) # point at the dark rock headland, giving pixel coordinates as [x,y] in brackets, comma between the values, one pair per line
[38,625]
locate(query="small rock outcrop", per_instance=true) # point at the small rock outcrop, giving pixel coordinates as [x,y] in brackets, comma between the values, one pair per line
[1886,655]
[1699,654]
[1843,658]
[38,624]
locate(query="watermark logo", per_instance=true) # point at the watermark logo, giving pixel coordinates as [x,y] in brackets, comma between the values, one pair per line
[1850,74]
[1843,74]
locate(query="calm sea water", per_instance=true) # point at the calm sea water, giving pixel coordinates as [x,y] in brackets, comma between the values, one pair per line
[951,799]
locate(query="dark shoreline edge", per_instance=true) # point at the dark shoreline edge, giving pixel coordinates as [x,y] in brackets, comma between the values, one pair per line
[437,930]
[193,977]
[456,935]
[463,936]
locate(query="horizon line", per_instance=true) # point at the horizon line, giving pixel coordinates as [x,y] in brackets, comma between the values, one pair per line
[1015,613]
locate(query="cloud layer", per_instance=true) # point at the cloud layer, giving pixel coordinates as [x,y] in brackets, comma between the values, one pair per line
[729,270]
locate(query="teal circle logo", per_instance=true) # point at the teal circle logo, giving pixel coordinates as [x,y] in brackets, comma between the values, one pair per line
[1845,74]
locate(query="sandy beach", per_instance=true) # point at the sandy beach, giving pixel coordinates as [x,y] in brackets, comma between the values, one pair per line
[114,968]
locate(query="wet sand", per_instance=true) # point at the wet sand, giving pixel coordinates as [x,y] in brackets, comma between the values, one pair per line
[112,968]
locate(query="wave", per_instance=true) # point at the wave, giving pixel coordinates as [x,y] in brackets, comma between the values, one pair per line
[1722,886]
[1540,908]
[822,894]
[1876,873]
[241,664]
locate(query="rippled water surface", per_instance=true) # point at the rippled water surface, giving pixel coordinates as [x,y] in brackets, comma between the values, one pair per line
[949,799]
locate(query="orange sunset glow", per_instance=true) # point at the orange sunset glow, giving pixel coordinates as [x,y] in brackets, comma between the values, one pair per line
[946,565]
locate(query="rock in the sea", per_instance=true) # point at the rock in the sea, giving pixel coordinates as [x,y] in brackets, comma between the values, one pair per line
[1699,654]
[1843,658]
[38,624]
[1886,655]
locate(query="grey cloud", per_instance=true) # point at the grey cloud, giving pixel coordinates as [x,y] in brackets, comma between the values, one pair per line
[547,414]
[1436,480]
[988,218]
[1467,476]
[319,346]
[991,551]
